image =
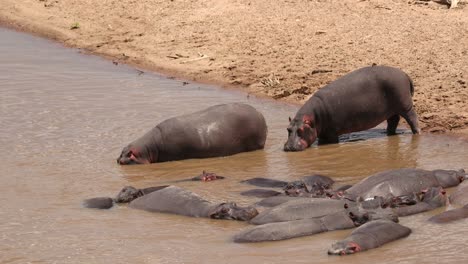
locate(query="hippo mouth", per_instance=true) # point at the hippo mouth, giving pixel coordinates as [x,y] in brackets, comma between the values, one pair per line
[341,248]
[230,211]
[299,146]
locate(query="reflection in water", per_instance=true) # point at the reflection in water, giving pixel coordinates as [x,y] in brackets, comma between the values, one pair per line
[65,118]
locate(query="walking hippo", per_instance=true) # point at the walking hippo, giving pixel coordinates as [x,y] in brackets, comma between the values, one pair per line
[399,182]
[176,200]
[357,101]
[220,130]
[370,235]
[344,219]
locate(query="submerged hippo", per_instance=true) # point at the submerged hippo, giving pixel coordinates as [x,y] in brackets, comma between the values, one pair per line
[357,101]
[348,217]
[370,235]
[460,196]
[308,186]
[220,130]
[400,182]
[298,209]
[450,215]
[428,199]
[126,195]
[176,200]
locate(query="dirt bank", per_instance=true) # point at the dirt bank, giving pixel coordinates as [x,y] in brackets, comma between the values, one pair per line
[281,49]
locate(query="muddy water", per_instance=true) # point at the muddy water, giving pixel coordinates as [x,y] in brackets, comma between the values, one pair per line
[65,117]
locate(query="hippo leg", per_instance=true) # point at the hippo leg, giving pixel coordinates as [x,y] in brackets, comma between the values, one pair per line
[392,124]
[328,139]
[412,118]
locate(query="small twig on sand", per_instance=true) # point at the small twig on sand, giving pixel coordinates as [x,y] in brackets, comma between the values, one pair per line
[320,71]
[202,56]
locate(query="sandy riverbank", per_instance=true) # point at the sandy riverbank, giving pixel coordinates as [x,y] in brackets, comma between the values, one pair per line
[282,49]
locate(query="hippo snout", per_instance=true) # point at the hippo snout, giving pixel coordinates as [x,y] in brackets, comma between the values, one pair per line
[299,146]
[344,248]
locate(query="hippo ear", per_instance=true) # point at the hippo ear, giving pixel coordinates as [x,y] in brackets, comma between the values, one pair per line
[289,119]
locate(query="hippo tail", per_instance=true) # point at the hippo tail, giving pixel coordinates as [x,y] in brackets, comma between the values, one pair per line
[411,86]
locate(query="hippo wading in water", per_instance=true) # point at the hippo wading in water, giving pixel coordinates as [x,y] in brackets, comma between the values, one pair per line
[175,200]
[220,130]
[357,101]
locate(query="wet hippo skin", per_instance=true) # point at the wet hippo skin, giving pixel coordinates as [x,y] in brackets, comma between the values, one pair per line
[176,200]
[357,101]
[370,235]
[406,181]
[220,130]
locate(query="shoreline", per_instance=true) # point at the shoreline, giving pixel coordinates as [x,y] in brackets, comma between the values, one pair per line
[266,74]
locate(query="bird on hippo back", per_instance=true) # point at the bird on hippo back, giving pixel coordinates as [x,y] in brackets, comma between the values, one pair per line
[357,101]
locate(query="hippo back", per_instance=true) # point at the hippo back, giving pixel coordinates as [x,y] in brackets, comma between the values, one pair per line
[219,130]
[460,196]
[379,91]
[395,182]
[299,209]
[174,200]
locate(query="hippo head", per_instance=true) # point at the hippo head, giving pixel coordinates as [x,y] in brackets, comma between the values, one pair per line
[231,211]
[133,155]
[450,178]
[295,189]
[128,194]
[435,196]
[207,176]
[301,133]
[344,248]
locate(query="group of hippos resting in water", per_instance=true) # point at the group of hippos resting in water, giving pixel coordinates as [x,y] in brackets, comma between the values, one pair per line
[314,205]
[357,101]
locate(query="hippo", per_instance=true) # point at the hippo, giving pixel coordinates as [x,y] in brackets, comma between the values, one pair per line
[370,235]
[405,205]
[307,180]
[126,195]
[219,130]
[308,186]
[173,199]
[176,200]
[450,215]
[207,176]
[344,219]
[99,203]
[204,177]
[357,101]
[406,181]
[298,209]
[277,200]
[460,196]
[428,199]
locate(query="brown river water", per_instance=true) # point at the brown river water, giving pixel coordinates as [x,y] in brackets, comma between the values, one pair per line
[65,117]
